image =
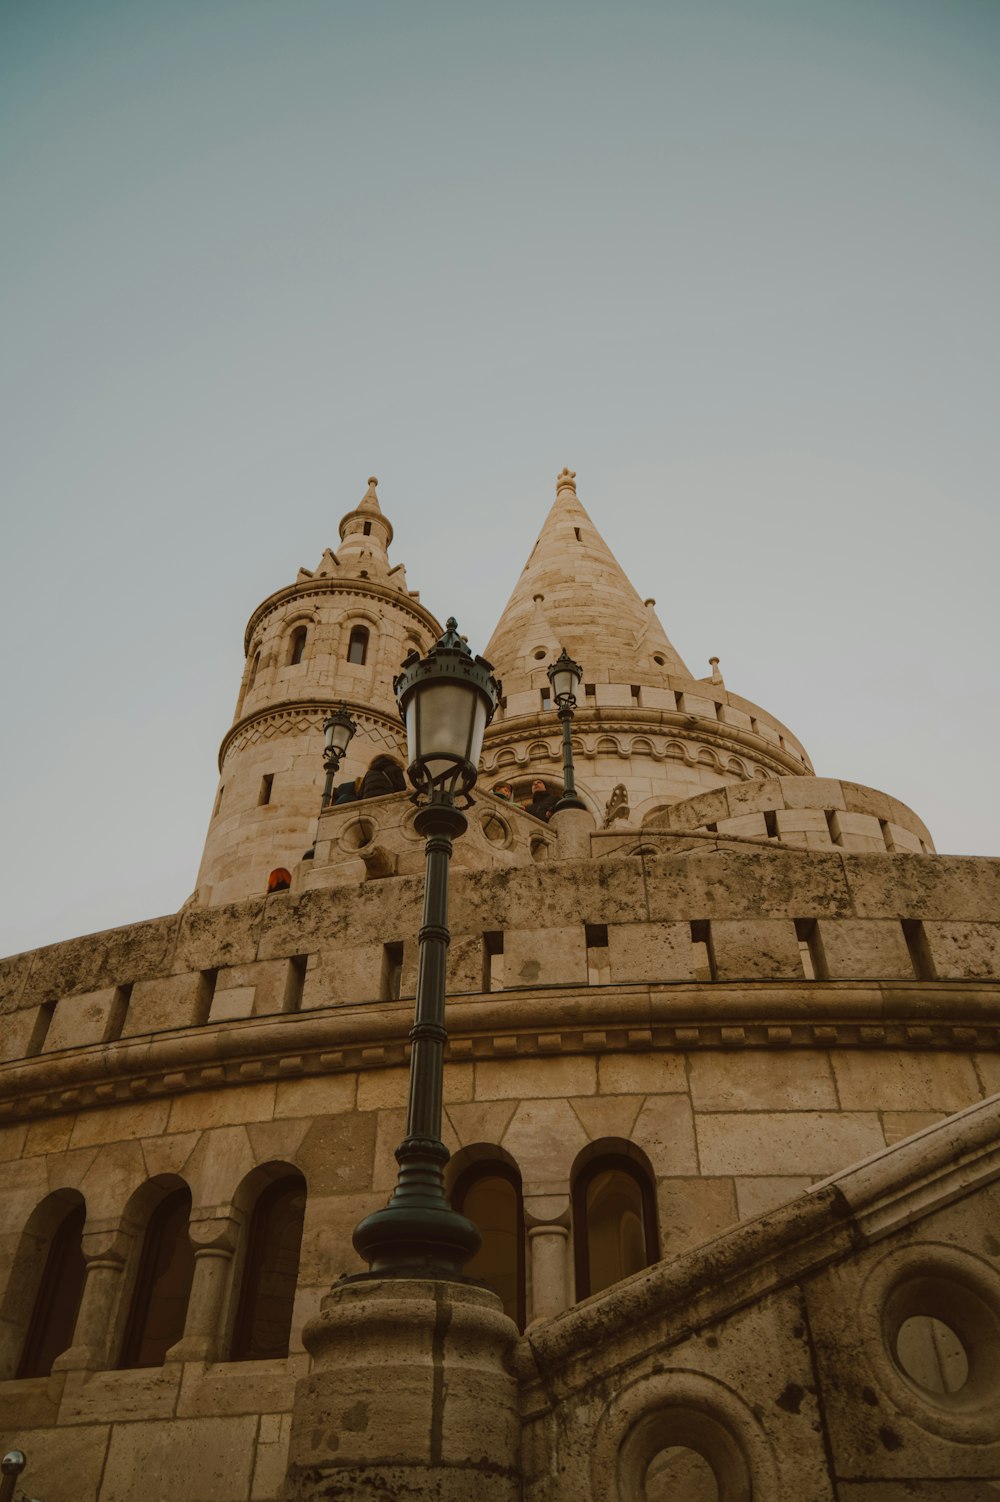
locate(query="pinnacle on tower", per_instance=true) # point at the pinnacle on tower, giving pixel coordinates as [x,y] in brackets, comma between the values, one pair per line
[573,593]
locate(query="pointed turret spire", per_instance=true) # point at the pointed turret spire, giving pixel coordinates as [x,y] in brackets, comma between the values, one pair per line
[573,593]
[365,535]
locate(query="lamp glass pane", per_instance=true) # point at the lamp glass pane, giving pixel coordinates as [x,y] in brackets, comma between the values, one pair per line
[564,683]
[340,736]
[439,719]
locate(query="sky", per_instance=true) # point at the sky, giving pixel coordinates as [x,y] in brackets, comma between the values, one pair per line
[734,263]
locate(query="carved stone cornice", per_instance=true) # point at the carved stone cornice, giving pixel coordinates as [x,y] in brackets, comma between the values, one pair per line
[370,589]
[514,1023]
[287,714]
[671,725]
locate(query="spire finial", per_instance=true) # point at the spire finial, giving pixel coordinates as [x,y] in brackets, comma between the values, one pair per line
[372,482]
[566,480]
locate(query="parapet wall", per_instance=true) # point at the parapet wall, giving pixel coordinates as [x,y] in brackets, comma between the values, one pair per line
[658,1005]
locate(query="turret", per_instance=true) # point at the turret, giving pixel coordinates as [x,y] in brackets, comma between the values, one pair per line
[646,730]
[338,633]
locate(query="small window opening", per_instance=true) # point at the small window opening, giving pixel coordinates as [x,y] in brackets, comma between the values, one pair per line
[57,1302]
[538,654]
[392,971]
[678,702]
[771,824]
[254,665]
[753,726]
[659,659]
[493,961]
[295,983]
[296,646]
[577,531]
[712,828]
[920,955]
[163,1285]
[206,993]
[490,1195]
[117,1013]
[810,949]
[43,1021]
[267,1297]
[636,693]
[367,529]
[598,955]
[503,704]
[546,700]
[833,826]
[364,573]
[890,843]
[703,955]
[218,801]
[266,784]
[590,692]
[614,1224]
[357,646]
[720,713]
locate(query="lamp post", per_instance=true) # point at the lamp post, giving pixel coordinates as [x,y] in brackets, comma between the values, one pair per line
[446,700]
[338,729]
[564,675]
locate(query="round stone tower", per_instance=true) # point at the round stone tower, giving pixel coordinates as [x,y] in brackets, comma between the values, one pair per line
[647,733]
[338,633]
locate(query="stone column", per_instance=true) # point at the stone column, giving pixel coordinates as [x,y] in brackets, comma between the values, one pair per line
[547,1245]
[411,1396]
[574,826]
[105,1253]
[214,1241]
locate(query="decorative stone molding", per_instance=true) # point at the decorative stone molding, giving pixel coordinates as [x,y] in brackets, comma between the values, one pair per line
[302,717]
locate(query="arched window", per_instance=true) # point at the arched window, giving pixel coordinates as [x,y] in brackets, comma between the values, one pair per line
[270,1271]
[254,665]
[490,1195]
[296,646]
[162,1286]
[614,1223]
[57,1302]
[357,646]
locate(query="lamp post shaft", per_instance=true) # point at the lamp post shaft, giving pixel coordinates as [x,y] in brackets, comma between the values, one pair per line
[418,1234]
[428,1034]
[569,775]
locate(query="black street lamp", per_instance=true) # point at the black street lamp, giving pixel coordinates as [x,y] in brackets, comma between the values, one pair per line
[338,729]
[446,701]
[564,675]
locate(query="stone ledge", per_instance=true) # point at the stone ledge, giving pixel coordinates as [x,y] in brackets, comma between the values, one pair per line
[545,1021]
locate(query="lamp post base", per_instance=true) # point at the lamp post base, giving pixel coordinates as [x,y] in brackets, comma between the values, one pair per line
[417,1234]
[403,1373]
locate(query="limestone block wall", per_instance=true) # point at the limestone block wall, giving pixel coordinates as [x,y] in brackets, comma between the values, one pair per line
[781,1360]
[814,813]
[744,1023]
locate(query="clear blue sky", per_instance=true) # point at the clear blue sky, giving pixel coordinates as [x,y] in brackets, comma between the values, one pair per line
[734,263]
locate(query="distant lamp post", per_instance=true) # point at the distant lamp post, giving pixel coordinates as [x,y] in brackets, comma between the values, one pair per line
[11,1467]
[564,675]
[338,730]
[446,701]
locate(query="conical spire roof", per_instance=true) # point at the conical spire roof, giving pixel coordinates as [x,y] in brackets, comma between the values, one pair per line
[573,593]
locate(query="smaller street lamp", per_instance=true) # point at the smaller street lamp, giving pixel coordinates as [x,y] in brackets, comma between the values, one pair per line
[338,729]
[564,675]
[446,700]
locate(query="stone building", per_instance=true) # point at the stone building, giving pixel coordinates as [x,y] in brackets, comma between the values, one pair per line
[719,1093]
